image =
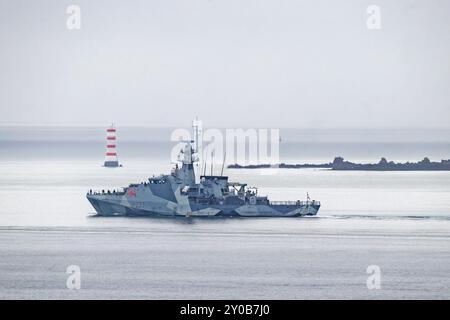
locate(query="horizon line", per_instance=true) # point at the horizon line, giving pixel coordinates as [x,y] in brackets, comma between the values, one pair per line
[159,126]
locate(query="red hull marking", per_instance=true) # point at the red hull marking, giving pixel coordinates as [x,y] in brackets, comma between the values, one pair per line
[131,193]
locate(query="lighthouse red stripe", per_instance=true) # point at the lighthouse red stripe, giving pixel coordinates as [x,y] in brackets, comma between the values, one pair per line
[111,130]
[111,138]
[111,146]
[111,154]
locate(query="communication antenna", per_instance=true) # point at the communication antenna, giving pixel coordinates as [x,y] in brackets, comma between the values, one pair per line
[196,133]
[223,162]
[212,161]
[204,167]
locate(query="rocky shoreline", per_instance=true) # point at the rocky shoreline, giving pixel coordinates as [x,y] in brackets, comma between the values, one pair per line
[340,164]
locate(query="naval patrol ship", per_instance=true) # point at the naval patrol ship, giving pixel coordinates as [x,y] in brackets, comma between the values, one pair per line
[179,194]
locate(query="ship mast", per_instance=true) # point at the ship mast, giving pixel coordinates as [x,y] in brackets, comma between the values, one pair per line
[190,156]
[197,132]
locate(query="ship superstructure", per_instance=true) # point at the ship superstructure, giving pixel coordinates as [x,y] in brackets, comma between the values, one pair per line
[180,194]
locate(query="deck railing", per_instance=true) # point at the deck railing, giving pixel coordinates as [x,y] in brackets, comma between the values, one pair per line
[106,192]
[297,203]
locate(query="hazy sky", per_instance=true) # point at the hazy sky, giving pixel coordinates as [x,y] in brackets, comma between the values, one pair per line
[265,63]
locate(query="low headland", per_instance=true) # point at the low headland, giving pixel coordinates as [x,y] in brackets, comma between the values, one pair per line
[340,164]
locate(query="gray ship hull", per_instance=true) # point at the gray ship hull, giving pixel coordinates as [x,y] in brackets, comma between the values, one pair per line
[111,205]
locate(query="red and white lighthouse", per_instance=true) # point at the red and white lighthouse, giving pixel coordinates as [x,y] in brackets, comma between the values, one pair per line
[111,159]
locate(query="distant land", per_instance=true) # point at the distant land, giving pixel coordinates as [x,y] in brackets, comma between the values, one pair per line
[340,164]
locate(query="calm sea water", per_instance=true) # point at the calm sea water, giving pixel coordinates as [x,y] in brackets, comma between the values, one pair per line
[46,171]
[399,221]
